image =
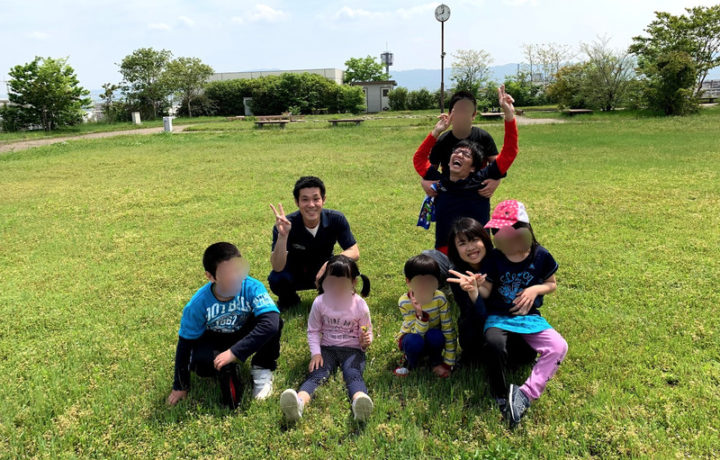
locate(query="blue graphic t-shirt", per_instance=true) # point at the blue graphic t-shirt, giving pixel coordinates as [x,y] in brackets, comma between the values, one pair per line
[205,312]
[508,279]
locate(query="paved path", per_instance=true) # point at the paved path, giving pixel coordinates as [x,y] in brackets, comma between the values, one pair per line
[23,145]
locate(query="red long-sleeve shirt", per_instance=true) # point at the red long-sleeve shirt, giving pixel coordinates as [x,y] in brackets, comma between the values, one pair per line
[421,158]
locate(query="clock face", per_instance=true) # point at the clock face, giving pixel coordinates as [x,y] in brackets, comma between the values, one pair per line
[442,13]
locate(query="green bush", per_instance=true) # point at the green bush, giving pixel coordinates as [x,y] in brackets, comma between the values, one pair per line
[398,98]
[274,94]
[421,99]
[350,99]
[227,96]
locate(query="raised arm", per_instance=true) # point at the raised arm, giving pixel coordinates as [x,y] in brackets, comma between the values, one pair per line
[278,257]
[421,159]
[510,143]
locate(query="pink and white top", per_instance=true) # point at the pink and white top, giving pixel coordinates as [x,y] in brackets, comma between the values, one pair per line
[337,324]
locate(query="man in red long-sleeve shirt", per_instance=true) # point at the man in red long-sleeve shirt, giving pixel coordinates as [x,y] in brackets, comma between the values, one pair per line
[458,186]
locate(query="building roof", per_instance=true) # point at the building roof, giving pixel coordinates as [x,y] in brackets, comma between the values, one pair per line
[369,83]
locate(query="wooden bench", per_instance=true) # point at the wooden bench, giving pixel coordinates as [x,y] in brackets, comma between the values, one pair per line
[273,118]
[281,123]
[237,118]
[357,121]
[573,112]
[491,115]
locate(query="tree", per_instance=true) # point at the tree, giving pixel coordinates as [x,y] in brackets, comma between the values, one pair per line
[544,60]
[108,96]
[143,82]
[470,69]
[696,34]
[186,77]
[670,87]
[568,87]
[44,92]
[608,74]
[364,69]
[523,90]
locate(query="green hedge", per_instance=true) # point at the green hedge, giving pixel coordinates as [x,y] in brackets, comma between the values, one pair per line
[299,93]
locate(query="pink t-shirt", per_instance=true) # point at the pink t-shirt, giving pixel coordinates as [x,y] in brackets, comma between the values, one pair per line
[337,325]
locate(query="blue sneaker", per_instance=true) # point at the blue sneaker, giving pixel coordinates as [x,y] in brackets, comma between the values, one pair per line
[517,404]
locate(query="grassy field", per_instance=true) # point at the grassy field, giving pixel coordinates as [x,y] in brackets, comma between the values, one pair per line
[102,243]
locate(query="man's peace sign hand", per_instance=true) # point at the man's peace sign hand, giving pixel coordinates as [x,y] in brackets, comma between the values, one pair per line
[282,224]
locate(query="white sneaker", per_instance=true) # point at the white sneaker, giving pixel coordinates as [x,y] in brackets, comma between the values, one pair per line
[262,382]
[291,405]
[362,407]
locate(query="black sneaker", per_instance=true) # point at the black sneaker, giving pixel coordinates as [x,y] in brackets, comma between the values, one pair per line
[230,386]
[502,405]
[517,404]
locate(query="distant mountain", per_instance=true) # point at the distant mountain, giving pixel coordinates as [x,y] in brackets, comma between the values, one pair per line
[430,78]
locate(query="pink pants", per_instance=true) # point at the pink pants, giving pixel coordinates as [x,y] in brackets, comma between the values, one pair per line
[552,349]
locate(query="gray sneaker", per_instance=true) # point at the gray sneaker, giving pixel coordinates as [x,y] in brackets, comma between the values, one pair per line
[362,407]
[291,405]
[517,404]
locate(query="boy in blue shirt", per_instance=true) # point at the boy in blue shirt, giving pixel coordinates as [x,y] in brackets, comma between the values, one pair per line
[227,320]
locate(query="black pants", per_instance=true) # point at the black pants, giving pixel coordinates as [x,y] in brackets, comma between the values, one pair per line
[471,338]
[504,350]
[213,343]
[286,283]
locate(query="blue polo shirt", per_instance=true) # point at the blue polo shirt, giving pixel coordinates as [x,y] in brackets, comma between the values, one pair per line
[307,253]
[205,312]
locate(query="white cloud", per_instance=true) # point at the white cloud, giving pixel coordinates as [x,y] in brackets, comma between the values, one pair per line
[159,26]
[400,13]
[186,20]
[262,13]
[38,35]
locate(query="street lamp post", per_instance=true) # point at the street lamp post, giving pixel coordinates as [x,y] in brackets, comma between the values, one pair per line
[442,14]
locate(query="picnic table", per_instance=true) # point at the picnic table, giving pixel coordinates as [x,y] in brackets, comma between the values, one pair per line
[357,121]
[262,123]
[573,112]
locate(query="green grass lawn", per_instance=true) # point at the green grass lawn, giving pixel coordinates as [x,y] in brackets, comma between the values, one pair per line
[102,243]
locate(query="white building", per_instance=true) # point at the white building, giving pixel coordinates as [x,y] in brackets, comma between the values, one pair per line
[376,94]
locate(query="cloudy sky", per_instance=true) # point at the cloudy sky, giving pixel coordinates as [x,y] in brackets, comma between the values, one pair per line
[237,35]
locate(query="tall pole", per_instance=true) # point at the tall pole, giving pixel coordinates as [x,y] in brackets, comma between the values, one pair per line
[442,67]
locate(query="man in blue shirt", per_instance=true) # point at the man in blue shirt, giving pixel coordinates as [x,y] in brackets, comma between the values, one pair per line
[304,240]
[227,320]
